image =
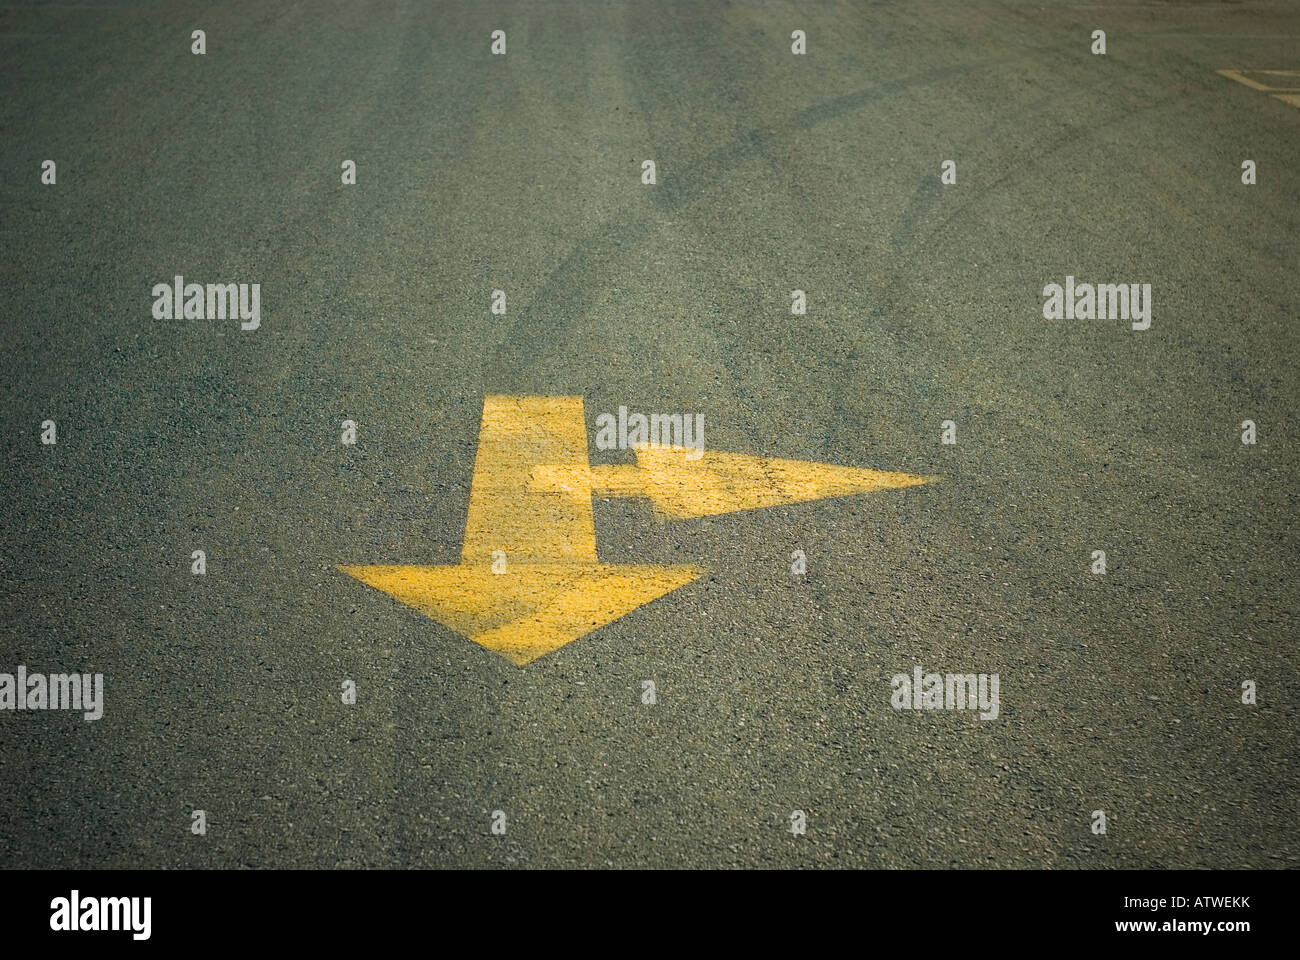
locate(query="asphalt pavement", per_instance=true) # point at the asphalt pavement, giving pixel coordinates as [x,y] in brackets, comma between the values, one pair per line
[523,172]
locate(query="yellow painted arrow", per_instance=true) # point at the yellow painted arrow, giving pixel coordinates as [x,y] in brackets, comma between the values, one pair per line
[530,510]
[683,484]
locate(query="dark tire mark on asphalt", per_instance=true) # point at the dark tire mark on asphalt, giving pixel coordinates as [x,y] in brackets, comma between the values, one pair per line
[596,256]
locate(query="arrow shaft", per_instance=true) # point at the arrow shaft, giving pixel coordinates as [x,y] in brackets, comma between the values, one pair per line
[506,511]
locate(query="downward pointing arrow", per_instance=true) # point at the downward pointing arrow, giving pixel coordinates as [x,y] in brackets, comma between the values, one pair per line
[531,609]
[530,499]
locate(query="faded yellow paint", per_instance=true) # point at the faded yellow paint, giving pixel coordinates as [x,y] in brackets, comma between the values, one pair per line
[530,498]
[1284,84]
[1241,78]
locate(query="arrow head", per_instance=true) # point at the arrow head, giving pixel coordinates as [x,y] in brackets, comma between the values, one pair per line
[531,609]
[681,487]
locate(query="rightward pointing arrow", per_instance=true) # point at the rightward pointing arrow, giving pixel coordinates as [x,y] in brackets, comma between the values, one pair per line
[530,499]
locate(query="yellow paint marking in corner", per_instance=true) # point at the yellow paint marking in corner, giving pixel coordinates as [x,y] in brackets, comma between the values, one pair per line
[1289,93]
[530,499]
[1240,78]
